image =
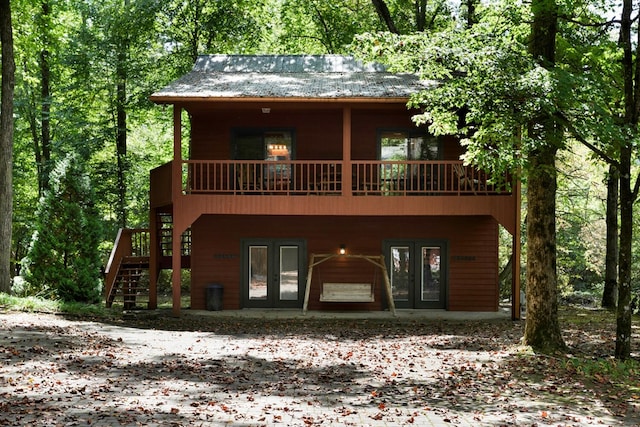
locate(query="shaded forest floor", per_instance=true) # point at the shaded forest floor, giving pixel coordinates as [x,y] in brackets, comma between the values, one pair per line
[251,372]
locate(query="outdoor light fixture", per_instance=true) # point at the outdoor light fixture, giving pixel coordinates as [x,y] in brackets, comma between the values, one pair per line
[266,110]
[343,249]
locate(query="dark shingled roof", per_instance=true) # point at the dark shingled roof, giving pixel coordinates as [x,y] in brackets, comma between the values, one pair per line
[288,77]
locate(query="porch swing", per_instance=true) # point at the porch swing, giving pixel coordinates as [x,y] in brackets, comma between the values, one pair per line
[347,291]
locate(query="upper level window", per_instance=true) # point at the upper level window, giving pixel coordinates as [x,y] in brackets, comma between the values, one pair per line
[406,145]
[262,144]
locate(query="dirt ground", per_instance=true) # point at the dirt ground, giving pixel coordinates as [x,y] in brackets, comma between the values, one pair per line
[61,371]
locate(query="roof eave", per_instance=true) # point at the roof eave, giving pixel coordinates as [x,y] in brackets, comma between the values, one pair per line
[172,99]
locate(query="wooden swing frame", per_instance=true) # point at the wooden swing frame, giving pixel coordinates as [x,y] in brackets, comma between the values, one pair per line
[377,260]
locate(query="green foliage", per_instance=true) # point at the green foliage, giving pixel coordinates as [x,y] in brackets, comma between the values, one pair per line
[30,304]
[202,27]
[317,26]
[63,261]
[485,86]
[43,305]
[150,145]
[581,227]
[606,370]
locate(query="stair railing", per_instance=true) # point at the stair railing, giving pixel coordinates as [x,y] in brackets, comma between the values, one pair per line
[129,242]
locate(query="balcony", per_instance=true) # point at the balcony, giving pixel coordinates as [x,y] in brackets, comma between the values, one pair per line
[320,187]
[366,178]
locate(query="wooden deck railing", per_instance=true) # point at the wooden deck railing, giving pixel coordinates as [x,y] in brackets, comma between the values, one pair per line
[368,178]
[406,178]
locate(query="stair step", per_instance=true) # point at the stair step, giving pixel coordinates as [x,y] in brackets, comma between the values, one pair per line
[131,272]
[131,285]
[135,260]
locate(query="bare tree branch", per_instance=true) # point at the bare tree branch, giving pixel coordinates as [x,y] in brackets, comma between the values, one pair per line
[581,139]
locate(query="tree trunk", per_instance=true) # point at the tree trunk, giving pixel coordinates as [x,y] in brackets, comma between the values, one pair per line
[121,140]
[610,294]
[421,15]
[631,104]
[45,99]
[385,15]
[471,13]
[6,145]
[544,28]
[623,314]
[33,127]
[542,329]
[505,275]
[121,127]
[195,33]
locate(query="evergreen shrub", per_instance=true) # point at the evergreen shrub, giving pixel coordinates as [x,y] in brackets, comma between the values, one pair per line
[63,261]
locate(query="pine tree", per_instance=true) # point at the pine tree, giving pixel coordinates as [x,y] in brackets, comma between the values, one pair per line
[63,260]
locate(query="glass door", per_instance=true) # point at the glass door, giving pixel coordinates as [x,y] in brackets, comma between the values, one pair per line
[417,273]
[401,145]
[276,147]
[273,273]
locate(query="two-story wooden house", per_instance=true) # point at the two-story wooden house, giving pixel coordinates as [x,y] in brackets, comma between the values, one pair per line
[290,156]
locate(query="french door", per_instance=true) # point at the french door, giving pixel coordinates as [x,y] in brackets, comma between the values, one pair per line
[418,272]
[273,273]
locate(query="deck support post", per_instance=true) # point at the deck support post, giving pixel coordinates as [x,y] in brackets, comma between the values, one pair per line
[176,276]
[176,196]
[347,176]
[154,257]
[516,302]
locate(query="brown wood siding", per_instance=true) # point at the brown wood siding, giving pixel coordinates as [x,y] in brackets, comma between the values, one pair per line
[318,132]
[473,268]
[472,253]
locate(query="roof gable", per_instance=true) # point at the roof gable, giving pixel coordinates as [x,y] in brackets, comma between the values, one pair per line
[287,77]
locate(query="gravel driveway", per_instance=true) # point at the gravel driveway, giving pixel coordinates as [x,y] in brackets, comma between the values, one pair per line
[57,371]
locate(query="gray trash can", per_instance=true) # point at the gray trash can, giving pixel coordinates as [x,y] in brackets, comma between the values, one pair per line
[213,297]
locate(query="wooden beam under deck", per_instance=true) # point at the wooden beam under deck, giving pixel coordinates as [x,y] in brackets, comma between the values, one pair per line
[501,207]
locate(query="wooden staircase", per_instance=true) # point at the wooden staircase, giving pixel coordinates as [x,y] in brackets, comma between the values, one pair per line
[131,283]
[127,272]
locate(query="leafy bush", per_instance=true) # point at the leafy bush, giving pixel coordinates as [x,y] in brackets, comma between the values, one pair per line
[63,261]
